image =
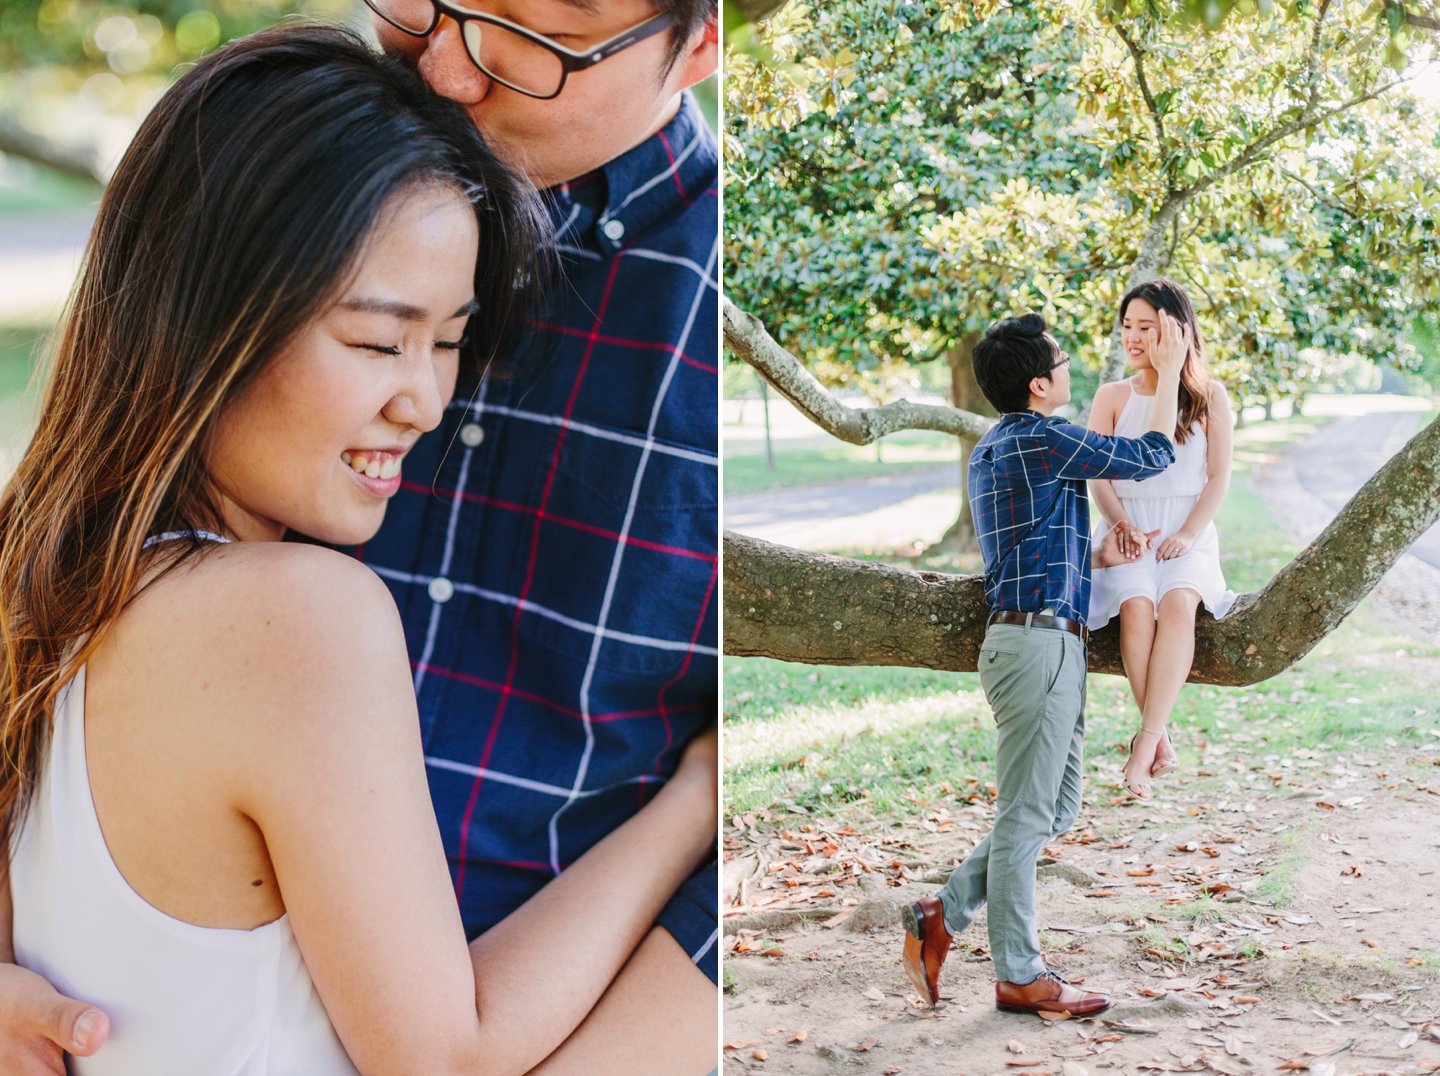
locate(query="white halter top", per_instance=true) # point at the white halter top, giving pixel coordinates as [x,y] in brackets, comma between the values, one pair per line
[183,1000]
[1186,477]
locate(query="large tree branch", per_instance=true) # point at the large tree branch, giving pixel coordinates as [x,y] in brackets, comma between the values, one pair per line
[1138,56]
[80,163]
[747,338]
[809,607]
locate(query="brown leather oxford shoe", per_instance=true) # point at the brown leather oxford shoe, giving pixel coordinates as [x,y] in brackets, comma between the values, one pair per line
[1049,993]
[927,944]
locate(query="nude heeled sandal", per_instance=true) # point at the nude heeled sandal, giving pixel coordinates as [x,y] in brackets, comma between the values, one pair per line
[1138,789]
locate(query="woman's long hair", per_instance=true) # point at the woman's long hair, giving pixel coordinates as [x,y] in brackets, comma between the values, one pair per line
[1170,297]
[234,219]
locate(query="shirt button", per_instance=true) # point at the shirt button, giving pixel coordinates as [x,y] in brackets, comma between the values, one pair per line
[441,590]
[471,434]
[614,230]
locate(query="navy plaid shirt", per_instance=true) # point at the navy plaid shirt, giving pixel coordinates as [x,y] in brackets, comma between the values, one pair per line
[1032,515]
[553,548]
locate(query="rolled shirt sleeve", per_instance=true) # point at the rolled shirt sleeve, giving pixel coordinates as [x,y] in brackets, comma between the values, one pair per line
[1078,453]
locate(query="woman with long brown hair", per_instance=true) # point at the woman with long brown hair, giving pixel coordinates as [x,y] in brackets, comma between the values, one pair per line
[213,787]
[1168,519]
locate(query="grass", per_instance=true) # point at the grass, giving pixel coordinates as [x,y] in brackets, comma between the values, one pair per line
[746,470]
[1277,886]
[903,741]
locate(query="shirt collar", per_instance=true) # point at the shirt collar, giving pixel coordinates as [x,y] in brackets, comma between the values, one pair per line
[607,209]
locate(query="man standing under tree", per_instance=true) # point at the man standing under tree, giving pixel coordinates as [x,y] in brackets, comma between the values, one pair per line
[1027,488]
[554,558]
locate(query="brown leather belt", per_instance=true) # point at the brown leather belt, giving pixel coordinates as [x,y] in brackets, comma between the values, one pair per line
[1040,620]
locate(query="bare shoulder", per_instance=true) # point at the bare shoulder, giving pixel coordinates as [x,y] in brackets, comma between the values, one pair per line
[1219,396]
[262,625]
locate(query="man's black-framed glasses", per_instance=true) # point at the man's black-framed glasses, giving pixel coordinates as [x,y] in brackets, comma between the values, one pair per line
[1061,361]
[513,56]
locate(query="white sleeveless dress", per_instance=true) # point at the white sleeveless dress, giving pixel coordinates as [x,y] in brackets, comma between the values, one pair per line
[183,1000]
[1161,502]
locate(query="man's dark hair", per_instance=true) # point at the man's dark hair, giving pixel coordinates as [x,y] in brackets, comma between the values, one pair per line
[1013,353]
[686,17]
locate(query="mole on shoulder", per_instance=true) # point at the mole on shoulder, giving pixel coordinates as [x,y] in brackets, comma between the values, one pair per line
[257,881]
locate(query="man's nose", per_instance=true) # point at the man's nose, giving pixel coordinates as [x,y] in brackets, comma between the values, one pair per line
[448,68]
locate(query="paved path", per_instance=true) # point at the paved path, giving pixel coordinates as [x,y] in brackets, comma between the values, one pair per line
[39,254]
[836,500]
[889,512]
[1332,464]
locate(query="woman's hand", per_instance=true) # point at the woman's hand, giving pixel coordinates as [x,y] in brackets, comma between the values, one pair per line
[1175,546]
[1133,541]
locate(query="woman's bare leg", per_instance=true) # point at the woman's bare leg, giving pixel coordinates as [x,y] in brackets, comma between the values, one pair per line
[660,1016]
[1170,657]
[1137,637]
[1137,645]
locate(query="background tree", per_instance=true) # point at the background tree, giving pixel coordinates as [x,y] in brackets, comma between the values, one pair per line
[77,75]
[1272,161]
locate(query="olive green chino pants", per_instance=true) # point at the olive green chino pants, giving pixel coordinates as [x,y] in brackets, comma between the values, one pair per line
[1034,680]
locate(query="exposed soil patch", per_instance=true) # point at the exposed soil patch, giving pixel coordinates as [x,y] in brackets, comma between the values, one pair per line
[1315,894]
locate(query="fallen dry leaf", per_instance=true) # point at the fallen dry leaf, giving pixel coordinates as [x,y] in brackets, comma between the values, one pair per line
[1141,873]
[1070,1068]
[799,1036]
[1015,1046]
[1294,1063]
[1370,942]
[1409,1039]
[760,1055]
[874,993]
[891,1071]
[1109,1037]
[1024,1063]
[740,1045]
[1375,999]
[1054,1017]
[866,1046]
[1233,1045]
[1246,999]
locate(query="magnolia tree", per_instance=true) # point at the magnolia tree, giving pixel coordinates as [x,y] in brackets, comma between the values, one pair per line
[899,175]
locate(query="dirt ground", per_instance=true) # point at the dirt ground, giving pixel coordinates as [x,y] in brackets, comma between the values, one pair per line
[1287,924]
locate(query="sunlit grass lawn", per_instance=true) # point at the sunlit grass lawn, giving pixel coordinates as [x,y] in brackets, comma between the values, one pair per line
[875,741]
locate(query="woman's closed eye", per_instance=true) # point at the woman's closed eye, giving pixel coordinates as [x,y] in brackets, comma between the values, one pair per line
[452,345]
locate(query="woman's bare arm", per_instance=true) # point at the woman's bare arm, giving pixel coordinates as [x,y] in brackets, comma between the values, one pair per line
[326,759]
[1219,449]
[1109,400]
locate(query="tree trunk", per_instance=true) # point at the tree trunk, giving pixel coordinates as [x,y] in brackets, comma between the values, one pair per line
[966,395]
[808,607]
[1146,266]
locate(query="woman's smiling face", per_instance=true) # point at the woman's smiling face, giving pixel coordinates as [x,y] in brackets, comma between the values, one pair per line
[315,443]
[1137,333]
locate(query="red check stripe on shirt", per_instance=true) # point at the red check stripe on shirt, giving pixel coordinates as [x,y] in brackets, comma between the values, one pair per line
[551,704]
[550,517]
[509,686]
[618,341]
